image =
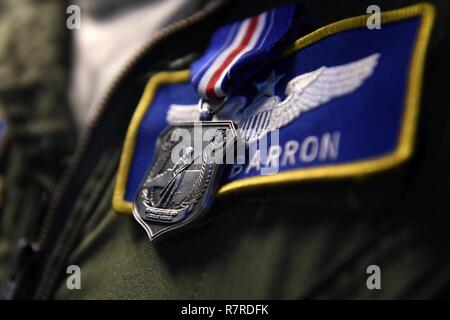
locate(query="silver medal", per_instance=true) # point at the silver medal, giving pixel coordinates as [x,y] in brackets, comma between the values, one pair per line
[183,179]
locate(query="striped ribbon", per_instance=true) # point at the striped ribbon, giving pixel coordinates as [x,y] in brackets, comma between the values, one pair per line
[238,50]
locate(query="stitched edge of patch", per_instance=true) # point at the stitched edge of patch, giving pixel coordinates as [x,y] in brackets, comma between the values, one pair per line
[349,170]
[119,202]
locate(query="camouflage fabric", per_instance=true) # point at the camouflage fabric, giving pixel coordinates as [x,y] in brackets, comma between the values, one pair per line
[33,100]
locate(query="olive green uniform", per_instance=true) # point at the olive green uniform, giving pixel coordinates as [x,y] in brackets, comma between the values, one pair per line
[311,240]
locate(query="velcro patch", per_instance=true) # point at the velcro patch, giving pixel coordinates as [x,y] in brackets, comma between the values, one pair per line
[343,100]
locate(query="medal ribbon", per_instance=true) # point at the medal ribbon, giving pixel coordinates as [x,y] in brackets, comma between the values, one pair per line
[239,50]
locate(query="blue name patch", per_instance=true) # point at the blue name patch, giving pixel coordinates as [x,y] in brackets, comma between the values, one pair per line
[343,101]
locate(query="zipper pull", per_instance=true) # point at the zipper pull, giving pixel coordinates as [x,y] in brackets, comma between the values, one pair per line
[24,258]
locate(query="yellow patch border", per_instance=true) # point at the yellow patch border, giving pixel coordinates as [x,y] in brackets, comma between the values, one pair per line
[356,169]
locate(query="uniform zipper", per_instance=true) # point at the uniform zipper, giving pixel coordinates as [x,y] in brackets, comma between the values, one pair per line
[27,253]
[99,110]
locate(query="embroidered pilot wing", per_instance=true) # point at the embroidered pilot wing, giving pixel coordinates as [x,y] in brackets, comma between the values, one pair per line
[305,92]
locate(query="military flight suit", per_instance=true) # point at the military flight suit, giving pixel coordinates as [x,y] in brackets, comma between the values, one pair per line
[302,240]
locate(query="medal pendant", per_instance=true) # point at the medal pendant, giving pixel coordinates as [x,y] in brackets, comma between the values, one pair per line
[183,179]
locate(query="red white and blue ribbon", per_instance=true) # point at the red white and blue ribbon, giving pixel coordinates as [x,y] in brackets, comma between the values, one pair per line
[238,50]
